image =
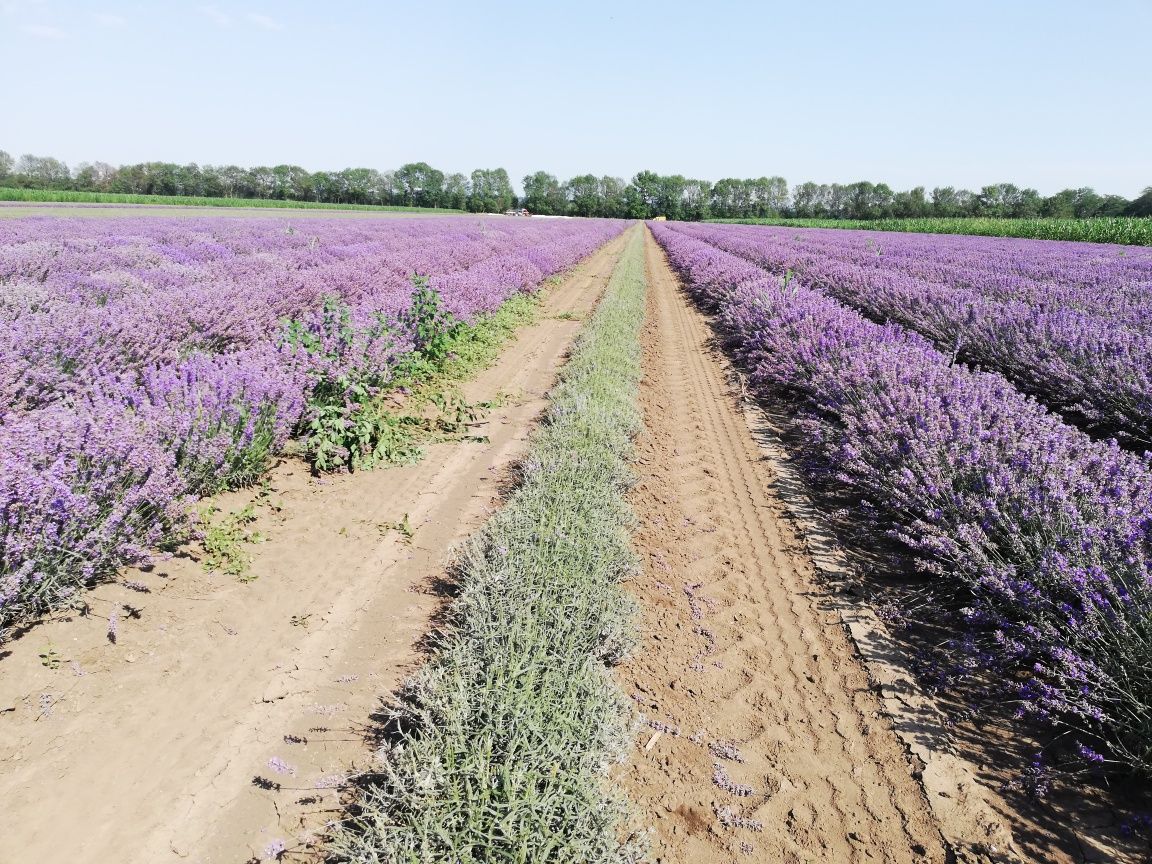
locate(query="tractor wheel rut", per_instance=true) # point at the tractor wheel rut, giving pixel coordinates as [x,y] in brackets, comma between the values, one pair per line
[765,739]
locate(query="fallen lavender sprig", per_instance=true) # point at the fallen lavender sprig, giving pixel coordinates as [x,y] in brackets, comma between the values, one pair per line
[720,778]
[280,766]
[666,728]
[729,818]
[725,750]
[693,603]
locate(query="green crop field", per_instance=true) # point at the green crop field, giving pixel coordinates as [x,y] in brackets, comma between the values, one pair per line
[1130,230]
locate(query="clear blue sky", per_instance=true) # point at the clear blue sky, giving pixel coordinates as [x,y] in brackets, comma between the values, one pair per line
[1044,94]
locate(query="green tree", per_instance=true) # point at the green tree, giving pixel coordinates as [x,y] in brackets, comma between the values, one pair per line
[390,192]
[213,185]
[612,197]
[543,194]
[232,180]
[945,201]
[1027,204]
[1074,203]
[328,187]
[910,204]
[804,200]
[767,196]
[998,200]
[94,177]
[632,203]
[670,196]
[647,191]
[743,199]
[491,191]
[42,172]
[361,186]
[480,198]
[1061,205]
[455,191]
[811,200]
[867,200]
[129,180]
[1112,205]
[1141,206]
[584,193]
[697,199]
[420,184]
[724,198]
[189,179]
[291,183]
[6,163]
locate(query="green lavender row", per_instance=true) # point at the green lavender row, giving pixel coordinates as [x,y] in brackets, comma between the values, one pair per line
[502,743]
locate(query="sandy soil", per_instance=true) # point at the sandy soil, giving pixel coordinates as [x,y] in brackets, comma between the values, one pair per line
[746,681]
[221,717]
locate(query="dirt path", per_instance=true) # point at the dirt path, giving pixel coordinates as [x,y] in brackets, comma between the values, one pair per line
[156,748]
[762,716]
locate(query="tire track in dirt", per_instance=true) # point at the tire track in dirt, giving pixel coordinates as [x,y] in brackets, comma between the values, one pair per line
[764,717]
[151,746]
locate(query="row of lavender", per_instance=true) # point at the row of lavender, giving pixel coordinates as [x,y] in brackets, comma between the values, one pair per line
[1070,323]
[95,300]
[144,362]
[1048,531]
[1092,277]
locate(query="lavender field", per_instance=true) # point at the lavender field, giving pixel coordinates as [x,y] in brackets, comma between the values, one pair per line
[148,361]
[1047,527]
[980,405]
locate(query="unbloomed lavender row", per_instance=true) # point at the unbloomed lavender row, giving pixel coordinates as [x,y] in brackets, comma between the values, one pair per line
[143,362]
[1068,347]
[1049,530]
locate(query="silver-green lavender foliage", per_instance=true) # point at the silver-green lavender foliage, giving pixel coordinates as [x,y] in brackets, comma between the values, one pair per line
[504,740]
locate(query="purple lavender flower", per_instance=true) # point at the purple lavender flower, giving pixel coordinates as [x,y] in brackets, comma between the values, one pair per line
[721,779]
[726,750]
[280,766]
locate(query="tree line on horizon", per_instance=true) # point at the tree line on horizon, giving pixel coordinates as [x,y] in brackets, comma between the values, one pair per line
[647,194]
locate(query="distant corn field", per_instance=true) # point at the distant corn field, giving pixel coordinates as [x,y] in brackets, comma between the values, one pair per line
[1129,230]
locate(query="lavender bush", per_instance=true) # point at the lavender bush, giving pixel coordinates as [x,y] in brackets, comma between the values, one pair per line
[1049,531]
[146,361]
